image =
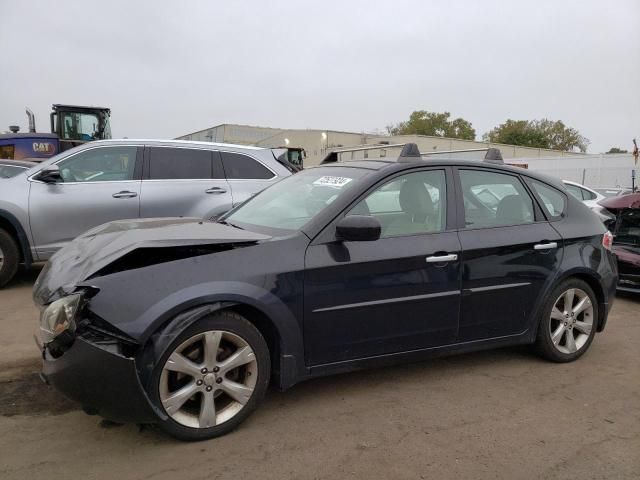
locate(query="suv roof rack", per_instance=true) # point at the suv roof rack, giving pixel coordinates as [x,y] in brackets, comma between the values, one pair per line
[411,153]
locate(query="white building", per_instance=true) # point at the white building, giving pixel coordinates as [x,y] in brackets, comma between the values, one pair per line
[592,170]
[318,143]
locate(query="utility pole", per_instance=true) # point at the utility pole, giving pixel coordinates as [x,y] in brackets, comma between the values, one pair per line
[635,162]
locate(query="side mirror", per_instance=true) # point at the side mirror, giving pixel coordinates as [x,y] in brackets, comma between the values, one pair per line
[358,228]
[50,174]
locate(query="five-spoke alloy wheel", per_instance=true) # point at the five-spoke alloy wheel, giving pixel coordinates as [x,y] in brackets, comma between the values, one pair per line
[212,376]
[569,321]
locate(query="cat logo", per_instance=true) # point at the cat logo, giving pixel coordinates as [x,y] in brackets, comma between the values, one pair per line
[43,147]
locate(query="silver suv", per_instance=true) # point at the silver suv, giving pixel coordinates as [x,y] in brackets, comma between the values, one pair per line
[50,204]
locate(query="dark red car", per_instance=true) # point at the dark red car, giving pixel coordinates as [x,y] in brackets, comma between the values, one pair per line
[626,244]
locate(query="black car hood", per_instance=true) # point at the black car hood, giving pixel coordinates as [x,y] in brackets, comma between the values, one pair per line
[96,249]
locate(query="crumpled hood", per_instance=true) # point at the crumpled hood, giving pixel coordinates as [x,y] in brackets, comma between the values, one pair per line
[101,246]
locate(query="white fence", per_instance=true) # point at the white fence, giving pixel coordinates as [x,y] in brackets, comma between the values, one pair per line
[602,170]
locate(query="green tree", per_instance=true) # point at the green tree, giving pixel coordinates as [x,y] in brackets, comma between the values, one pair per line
[616,150]
[435,124]
[542,133]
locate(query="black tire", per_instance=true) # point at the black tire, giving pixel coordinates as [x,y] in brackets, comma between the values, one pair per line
[544,343]
[236,324]
[11,257]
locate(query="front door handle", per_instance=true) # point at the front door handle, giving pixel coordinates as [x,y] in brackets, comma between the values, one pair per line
[124,194]
[545,246]
[452,257]
[215,190]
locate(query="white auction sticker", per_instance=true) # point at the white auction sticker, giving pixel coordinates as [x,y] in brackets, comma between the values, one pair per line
[332,181]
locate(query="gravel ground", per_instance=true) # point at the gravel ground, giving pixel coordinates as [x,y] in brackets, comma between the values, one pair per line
[496,414]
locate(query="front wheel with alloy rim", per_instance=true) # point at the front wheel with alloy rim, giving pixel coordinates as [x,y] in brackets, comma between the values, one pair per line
[569,322]
[9,257]
[212,377]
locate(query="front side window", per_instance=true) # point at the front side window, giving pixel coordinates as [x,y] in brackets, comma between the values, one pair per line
[410,204]
[241,167]
[494,199]
[103,164]
[179,163]
[552,200]
[80,126]
[294,201]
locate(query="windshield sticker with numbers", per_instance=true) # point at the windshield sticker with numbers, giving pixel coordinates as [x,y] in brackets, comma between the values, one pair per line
[332,181]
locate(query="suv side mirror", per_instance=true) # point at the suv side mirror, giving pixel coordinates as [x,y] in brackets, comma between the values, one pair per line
[50,174]
[358,228]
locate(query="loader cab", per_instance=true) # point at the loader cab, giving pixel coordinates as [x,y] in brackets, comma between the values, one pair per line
[75,125]
[296,156]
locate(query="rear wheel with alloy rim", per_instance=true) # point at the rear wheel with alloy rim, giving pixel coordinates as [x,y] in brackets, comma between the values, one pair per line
[569,322]
[212,377]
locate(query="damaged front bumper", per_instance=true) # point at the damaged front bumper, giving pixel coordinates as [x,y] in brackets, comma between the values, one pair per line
[102,380]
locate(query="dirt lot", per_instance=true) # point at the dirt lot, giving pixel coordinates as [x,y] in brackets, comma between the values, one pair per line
[497,414]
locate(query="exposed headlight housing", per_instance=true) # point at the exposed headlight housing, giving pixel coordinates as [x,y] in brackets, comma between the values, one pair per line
[57,321]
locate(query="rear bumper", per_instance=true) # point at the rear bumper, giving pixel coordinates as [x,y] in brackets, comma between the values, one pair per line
[102,381]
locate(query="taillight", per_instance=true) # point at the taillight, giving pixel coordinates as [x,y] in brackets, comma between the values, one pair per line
[607,240]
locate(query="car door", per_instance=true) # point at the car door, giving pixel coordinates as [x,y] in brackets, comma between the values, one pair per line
[187,182]
[99,185]
[398,293]
[510,252]
[246,175]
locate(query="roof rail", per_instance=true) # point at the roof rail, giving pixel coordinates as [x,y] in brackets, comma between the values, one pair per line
[410,153]
[494,155]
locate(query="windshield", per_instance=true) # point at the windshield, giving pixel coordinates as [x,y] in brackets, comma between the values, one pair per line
[80,126]
[294,201]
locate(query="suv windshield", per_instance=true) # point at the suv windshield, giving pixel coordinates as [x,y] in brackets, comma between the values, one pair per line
[294,201]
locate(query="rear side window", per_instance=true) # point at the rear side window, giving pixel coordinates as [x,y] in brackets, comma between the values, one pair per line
[179,163]
[238,166]
[553,201]
[494,199]
[574,190]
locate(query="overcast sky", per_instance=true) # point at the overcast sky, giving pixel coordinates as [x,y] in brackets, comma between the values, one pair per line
[168,68]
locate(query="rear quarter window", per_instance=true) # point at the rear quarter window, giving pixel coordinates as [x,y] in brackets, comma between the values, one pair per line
[553,201]
[241,167]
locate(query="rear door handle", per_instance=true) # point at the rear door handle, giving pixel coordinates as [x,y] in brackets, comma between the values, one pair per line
[215,190]
[545,246]
[452,257]
[124,194]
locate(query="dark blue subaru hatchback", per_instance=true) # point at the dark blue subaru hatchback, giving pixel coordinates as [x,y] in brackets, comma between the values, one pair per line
[184,323]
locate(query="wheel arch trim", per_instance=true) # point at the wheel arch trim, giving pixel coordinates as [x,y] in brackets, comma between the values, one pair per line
[581,273]
[194,304]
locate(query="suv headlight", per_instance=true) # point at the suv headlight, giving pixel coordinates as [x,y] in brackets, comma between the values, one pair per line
[59,317]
